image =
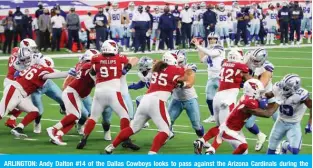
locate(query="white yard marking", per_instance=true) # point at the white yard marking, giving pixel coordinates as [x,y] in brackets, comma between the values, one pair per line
[27,139]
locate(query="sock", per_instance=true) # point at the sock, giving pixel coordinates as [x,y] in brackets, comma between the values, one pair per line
[268,37]
[82,120]
[211,133]
[151,44]
[90,125]
[126,39]
[29,118]
[106,126]
[227,41]
[210,105]
[294,151]
[215,144]
[67,120]
[15,113]
[241,149]
[158,141]
[67,128]
[124,123]
[254,129]
[222,41]
[270,151]
[199,132]
[62,107]
[122,136]
[38,119]
[157,42]
[272,37]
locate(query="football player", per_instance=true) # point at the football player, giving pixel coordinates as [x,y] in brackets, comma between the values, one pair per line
[256,15]
[116,21]
[234,12]
[195,24]
[165,77]
[128,37]
[249,104]
[17,94]
[107,68]
[77,90]
[199,14]
[271,24]
[185,98]
[155,32]
[261,69]
[213,58]
[234,72]
[306,23]
[294,100]
[222,24]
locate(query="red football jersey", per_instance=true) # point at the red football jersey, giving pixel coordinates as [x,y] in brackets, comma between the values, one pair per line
[83,83]
[31,78]
[12,59]
[166,80]
[231,75]
[108,68]
[237,118]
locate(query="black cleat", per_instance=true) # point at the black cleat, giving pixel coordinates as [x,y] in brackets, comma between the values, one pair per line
[198,145]
[82,143]
[128,144]
[18,132]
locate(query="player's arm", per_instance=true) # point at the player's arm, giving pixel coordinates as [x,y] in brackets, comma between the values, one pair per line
[109,20]
[265,78]
[246,76]
[139,85]
[133,60]
[188,80]
[67,81]
[308,103]
[266,113]
[55,75]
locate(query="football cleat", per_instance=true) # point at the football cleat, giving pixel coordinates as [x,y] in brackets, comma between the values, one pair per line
[146,125]
[210,151]
[283,147]
[128,144]
[107,135]
[10,123]
[82,143]
[211,119]
[58,141]
[260,141]
[37,128]
[18,132]
[198,145]
[278,149]
[52,133]
[80,129]
[109,149]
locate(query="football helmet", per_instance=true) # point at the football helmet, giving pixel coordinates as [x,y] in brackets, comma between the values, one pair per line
[145,64]
[253,88]
[181,57]
[170,58]
[47,62]
[88,55]
[24,56]
[213,35]
[290,84]
[236,55]
[115,5]
[221,6]
[202,5]
[109,47]
[29,43]
[131,5]
[257,58]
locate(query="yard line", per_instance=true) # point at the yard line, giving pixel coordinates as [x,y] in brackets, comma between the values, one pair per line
[27,139]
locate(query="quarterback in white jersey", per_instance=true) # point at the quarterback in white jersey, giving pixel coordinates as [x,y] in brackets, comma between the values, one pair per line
[306,23]
[199,16]
[116,21]
[293,101]
[185,98]
[213,58]
[223,24]
[271,23]
[155,33]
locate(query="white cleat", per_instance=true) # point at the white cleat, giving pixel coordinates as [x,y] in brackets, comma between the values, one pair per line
[80,129]
[58,141]
[37,128]
[292,43]
[260,141]
[210,151]
[281,44]
[152,153]
[51,133]
[298,43]
[107,135]
[146,125]
[278,149]
[211,119]
[109,149]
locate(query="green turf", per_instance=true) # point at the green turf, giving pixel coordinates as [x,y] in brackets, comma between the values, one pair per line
[292,60]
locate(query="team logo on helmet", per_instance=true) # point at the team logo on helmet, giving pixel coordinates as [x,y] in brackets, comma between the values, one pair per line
[254,86]
[94,51]
[26,43]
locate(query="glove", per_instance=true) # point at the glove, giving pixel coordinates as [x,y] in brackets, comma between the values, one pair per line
[192,67]
[126,68]
[263,103]
[308,128]
[16,74]
[181,84]
[72,72]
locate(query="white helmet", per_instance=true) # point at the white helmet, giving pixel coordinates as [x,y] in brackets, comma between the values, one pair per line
[221,6]
[290,84]
[181,57]
[29,43]
[253,88]
[109,47]
[115,5]
[24,56]
[88,55]
[194,6]
[170,58]
[202,5]
[236,55]
[213,36]
[145,64]
[156,9]
[131,4]
[257,58]
[47,62]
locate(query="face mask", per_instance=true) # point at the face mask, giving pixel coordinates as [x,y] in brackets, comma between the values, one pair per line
[89,13]
[186,7]
[40,6]
[176,7]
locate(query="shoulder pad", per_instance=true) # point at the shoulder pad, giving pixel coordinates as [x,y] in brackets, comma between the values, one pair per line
[218,47]
[303,93]
[192,67]
[268,66]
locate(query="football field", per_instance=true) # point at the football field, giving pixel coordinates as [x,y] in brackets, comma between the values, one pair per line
[285,60]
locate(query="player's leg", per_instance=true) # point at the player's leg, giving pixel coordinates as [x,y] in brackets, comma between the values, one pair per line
[211,89]
[86,109]
[294,139]
[254,129]
[27,106]
[277,133]
[10,99]
[120,31]
[236,139]
[193,112]
[37,101]
[106,123]
[54,92]
[11,121]
[175,108]
[256,33]
[226,35]
[152,38]
[138,99]
[303,27]
[129,103]
[309,29]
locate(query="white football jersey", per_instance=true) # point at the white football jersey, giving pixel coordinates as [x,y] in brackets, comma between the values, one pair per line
[307,10]
[116,17]
[272,15]
[222,17]
[214,64]
[184,94]
[156,18]
[267,66]
[199,14]
[257,14]
[194,15]
[292,108]
[234,13]
[130,14]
